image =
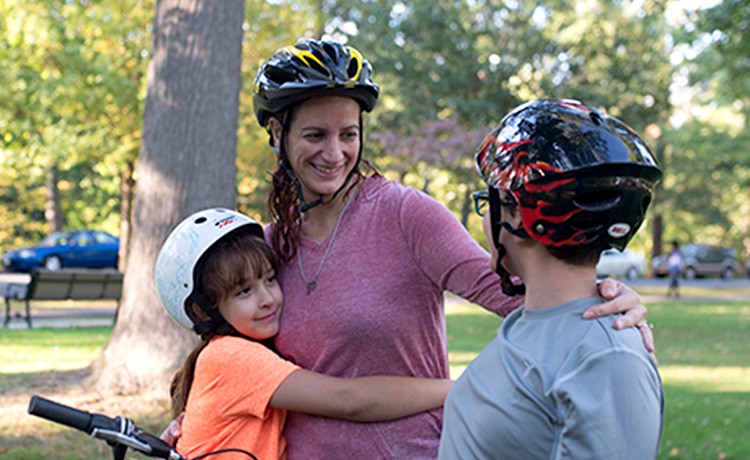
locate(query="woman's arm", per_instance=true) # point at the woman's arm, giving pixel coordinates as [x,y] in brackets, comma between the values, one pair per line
[362,399]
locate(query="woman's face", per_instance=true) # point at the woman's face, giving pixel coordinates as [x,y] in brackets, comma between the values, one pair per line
[322,144]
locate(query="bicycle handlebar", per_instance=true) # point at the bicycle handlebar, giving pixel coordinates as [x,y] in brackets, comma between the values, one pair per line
[118,430]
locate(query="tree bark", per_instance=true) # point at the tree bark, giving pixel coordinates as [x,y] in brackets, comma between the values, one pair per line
[186,163]
[52,212]
[127,191]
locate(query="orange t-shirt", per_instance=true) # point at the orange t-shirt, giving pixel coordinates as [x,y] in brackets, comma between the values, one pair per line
[235,379]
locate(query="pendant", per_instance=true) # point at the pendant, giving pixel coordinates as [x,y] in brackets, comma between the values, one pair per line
[310,286]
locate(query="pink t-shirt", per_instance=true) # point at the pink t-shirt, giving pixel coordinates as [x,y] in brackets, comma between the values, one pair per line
[378,310]
[235,379]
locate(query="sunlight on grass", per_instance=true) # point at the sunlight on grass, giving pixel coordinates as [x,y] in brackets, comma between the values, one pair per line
[718,379]
[37,350]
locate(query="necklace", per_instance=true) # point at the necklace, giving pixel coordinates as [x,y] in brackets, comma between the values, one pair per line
[313,282]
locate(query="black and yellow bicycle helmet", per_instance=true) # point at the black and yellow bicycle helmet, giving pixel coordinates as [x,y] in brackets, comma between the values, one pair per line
[308,69]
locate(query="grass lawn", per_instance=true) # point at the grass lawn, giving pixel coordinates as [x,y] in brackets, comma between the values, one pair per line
[703,349]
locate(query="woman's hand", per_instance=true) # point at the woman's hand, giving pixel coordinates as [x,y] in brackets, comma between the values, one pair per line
[623,299]
[173,431]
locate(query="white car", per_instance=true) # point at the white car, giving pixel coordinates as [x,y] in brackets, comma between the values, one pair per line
[626,263]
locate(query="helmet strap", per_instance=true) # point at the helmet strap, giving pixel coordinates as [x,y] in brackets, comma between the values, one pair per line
[506,284]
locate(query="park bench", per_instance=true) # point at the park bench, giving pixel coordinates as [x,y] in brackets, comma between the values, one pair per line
[66,284]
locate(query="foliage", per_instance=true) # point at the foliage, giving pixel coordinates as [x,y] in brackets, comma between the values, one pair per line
[74,74]
[448,70]
[708,175]
[707,150]
[721,67]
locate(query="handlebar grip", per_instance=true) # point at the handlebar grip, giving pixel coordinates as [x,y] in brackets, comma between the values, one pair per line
[69,416]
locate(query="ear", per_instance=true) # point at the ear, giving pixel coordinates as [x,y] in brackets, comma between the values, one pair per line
[194,311]
[512,216]
[274,129]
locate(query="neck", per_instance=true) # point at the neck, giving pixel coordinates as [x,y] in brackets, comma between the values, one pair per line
[318,222]
[551,281]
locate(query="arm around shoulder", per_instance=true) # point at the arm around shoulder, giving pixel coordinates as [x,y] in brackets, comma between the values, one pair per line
[363,399]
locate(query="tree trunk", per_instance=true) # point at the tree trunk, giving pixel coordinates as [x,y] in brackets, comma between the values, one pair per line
[127,190]
[52,212]
[186,163]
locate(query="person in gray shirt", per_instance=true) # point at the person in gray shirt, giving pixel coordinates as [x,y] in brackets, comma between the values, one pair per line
[565,181]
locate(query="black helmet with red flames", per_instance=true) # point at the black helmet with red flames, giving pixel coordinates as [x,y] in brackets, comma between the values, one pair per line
[578,175]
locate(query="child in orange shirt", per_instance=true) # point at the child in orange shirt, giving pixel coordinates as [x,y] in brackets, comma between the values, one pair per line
[215,276]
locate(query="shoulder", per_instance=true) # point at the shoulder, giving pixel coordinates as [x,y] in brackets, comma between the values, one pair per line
[404,203]
[231,349]
[386,191]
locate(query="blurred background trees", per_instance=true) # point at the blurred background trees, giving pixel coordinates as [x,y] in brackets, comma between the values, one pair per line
[73,74]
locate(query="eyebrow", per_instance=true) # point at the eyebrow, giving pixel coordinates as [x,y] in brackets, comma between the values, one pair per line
[320,128]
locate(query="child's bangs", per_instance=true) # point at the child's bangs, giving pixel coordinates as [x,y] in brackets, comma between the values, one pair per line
[232,262]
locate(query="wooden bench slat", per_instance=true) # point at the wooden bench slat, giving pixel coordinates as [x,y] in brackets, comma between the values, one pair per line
[65,285]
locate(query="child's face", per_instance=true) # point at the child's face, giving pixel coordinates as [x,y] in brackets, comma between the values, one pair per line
[254,307]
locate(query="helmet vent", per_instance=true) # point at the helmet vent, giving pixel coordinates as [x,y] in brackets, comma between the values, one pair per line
[598,201]
[279,76]
[316,66]
[351,71]
[330,50]
[200,220]
[596,118]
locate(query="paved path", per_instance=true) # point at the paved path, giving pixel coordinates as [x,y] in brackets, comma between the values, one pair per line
[64,317]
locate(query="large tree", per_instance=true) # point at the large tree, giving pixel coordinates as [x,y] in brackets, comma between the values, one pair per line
[186,162]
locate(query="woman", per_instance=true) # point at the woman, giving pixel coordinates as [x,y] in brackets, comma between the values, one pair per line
[364,261]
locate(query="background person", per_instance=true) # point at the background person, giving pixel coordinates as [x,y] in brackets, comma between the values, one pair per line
[675,266]
[364,261]
[215,275]
[565,182]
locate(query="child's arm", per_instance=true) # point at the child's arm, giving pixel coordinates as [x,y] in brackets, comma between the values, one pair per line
[362,399]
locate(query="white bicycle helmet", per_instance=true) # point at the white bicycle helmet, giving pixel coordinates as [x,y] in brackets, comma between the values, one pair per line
[182,250]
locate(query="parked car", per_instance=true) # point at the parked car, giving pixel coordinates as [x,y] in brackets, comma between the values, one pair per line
[625,263]
[702,260]
[79,248]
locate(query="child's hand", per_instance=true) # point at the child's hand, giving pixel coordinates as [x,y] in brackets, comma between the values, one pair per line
[173,431]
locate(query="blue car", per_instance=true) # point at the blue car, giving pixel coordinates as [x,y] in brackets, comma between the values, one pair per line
[79,248]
